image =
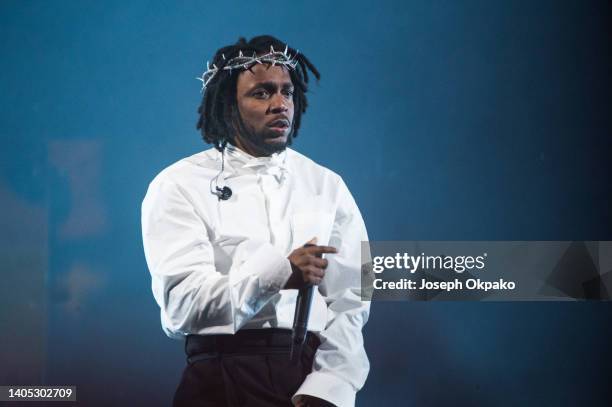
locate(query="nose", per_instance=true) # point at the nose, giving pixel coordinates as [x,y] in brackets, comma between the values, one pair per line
[278,104]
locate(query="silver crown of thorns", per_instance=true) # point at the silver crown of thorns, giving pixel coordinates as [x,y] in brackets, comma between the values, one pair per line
[244,62]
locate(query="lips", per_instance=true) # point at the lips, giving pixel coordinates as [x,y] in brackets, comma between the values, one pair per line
[279,124]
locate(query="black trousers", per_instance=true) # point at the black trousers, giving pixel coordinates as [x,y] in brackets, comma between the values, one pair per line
[248,369]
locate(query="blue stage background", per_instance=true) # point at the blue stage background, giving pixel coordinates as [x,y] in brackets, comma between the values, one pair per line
[471,120]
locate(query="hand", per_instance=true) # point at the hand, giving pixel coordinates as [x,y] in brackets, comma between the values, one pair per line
[304,400]
[307,265]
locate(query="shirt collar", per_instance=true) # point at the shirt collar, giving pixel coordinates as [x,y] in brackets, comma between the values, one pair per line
[239,162]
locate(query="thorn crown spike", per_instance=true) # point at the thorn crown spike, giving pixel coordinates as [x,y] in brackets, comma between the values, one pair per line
[242,62]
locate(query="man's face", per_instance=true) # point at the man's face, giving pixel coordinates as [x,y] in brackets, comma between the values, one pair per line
[265,102]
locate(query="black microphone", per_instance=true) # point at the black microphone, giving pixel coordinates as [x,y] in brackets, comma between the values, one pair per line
[224,193]
[300,319]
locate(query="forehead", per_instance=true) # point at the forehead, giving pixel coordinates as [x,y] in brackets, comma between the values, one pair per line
[261,73]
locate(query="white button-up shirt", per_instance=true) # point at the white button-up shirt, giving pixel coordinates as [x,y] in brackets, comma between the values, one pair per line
[218,266]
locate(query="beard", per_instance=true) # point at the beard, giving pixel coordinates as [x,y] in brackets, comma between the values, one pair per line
[257,139]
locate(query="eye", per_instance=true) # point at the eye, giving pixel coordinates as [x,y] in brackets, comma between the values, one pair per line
[288,93]
[260,94]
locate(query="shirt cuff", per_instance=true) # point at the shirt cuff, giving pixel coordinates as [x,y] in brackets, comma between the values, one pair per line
[327,387]
[272,268]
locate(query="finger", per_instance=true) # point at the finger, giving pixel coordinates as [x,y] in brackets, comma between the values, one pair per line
[314,271]
[312,278]
[320,263]
[320,249]
[306,259]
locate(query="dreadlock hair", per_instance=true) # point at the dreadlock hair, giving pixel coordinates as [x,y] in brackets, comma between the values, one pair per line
[219,115]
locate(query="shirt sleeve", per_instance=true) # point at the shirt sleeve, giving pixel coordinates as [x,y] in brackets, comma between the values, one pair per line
[341,365]
[193,296]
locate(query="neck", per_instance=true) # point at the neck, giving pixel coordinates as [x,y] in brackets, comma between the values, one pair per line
[250,148]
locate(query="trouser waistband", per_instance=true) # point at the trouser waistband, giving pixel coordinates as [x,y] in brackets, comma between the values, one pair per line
[254,341]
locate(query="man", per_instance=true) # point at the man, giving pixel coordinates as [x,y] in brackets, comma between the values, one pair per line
[231,233]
